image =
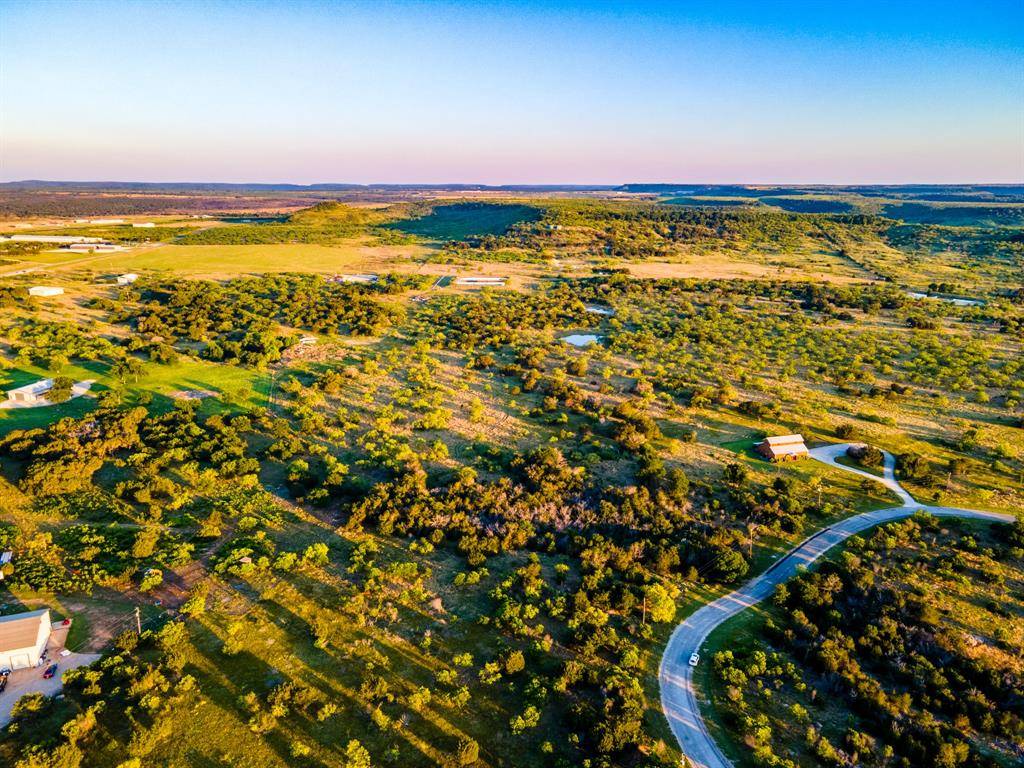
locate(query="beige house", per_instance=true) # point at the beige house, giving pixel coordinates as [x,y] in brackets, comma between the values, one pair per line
[23,638]
[783,448]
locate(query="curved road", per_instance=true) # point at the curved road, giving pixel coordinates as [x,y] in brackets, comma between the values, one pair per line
[678,699]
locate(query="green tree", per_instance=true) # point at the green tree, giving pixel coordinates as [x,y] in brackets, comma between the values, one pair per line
[151,579]
[356,756]
[660,605]
[515,662]
[60,392]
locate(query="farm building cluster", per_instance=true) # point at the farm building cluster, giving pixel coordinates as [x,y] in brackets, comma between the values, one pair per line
[72,243]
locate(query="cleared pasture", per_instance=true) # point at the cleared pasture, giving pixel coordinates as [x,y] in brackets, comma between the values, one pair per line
[218,261]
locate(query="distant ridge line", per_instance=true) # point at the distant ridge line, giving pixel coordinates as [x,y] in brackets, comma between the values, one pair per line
[151,186]
[659,188]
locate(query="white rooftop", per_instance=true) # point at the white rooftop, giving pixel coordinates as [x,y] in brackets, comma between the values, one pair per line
[20,630]
[480,281]
[35,388]
[784,439]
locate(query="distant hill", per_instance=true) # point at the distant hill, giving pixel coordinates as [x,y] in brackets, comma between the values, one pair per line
[980,193]
[197,187]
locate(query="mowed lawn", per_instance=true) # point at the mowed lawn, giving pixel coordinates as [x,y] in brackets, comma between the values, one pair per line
[243,387]
[221,261]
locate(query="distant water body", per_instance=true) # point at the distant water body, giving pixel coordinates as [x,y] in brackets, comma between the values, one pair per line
[581,339]
[957,302]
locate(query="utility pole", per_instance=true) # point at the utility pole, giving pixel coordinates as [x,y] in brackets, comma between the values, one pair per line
[138,620]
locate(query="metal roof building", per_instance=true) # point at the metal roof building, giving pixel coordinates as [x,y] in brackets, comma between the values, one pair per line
[23,638]
[783,447]
[30,393]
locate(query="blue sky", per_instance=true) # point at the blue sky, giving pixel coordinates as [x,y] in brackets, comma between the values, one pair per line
[519,92]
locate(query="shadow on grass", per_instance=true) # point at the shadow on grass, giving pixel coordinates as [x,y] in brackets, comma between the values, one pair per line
[460,220]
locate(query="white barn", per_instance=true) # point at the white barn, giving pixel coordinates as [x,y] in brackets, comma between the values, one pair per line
[23,638]
[30,393]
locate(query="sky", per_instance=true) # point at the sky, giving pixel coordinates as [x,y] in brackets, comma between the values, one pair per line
[514,92]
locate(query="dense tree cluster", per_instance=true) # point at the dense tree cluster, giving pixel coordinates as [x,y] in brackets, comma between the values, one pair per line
[497,318]
[238,320]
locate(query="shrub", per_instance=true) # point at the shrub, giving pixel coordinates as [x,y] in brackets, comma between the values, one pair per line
[467,753]
[866,455]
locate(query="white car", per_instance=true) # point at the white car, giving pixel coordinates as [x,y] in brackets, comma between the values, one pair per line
[694,659]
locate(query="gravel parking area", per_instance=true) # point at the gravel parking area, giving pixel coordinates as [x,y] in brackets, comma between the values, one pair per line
[24,681]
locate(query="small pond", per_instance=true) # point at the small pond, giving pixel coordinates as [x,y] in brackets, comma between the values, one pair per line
[957,302]
[581,339]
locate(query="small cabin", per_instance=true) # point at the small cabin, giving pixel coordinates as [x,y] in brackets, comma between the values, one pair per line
[127,279]
[783,448]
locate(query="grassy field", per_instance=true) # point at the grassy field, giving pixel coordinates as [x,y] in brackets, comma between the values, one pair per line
[460,220]
[226,260]
[243,387]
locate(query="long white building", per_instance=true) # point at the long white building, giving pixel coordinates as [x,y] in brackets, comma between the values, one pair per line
[30,393]
[58,239]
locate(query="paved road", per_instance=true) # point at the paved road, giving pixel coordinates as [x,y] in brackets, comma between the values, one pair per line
[678,699]
[25,681]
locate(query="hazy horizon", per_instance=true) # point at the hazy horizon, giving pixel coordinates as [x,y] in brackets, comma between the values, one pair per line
[525,93]
[501,184]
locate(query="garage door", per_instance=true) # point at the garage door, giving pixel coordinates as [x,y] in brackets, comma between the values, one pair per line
[20,661]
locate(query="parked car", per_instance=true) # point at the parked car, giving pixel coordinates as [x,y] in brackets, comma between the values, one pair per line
[694,659]
[50,672]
